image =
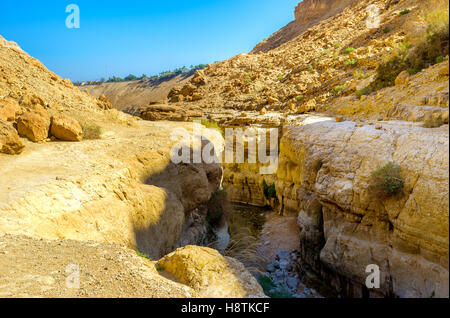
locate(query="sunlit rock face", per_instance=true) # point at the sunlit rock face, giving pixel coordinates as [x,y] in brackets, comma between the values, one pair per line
[307,14]
[324,177]
[309,11]
[345,227]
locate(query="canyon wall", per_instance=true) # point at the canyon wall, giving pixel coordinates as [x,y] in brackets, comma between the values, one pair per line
[324,178]
[128,194]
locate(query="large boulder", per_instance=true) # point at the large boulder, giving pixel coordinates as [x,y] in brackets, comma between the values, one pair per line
[66,128]
[30,101]
[34,126]
[210,274]
[9,108]
[10,142]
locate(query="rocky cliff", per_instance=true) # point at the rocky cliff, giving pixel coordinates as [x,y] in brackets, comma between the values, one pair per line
[82,183]
[307,14]
[339,126]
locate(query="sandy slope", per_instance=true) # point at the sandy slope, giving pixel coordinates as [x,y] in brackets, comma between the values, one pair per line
[132,97]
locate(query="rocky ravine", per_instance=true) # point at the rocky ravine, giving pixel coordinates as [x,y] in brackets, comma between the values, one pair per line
[94,202]
[329,154]
[101,191]
[323,178]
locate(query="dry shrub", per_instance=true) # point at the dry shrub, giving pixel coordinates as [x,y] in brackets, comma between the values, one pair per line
[386,181]
[434,122]
[244,247]
[91,131]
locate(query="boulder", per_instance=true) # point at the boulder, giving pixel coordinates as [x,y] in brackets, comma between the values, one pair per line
[104,103]
[34,126]
[29,101]
[210,274]
[188,89]
[66,128]
[199,78]
[9,108]
[402,78]
[10,142]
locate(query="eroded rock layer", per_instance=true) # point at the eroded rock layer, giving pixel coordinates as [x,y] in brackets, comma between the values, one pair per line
[324,177]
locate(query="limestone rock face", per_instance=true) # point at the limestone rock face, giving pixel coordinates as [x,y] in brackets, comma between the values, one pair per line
[308,11]
[211,274]
[10,142]
[66,128]
[9,108]
[33,126]
[345,228]
[324,177]
[307,14]
[126,192]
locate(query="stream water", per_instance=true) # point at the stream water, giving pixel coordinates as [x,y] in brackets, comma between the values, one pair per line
[241,238]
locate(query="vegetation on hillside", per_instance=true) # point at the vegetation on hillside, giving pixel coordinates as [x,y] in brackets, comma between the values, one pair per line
[270,192]
[166,75]
[386,181]
[91,130]
[420,52]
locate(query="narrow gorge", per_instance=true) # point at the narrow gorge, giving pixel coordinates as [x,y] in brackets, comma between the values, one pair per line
[353,120]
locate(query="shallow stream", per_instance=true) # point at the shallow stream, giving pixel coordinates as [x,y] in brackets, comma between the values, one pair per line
[242,238]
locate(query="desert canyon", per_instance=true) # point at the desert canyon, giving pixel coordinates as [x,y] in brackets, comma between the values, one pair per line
[86,175]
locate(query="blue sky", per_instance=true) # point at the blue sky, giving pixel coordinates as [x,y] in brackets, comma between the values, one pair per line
[138,36]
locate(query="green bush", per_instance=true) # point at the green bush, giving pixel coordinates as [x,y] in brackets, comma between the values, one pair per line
[386,30]
[299,98]
[143,255]
[440,59]
[349,50]
[411,71]
[386,181]
[310,68]
[270,192]
[337,89]
[284,292]
[405,12]
[434,122]
[363,91]
[211,125]
[350,62]
[266,283]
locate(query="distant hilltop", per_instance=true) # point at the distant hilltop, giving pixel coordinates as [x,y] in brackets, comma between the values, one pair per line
[307,14]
